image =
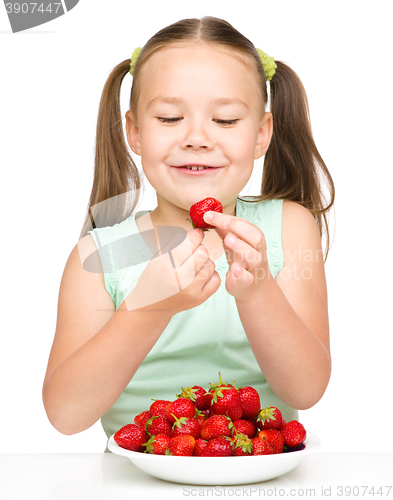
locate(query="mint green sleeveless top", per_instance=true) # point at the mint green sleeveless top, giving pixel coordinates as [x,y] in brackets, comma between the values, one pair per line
[197,343]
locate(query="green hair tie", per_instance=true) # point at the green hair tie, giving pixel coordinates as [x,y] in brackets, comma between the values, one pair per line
[134,58]
[269,66]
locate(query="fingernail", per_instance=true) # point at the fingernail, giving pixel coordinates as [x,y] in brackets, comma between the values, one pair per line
[226,222]
[200,231]
[208,216]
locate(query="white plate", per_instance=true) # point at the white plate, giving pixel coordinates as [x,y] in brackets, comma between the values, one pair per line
[217,470]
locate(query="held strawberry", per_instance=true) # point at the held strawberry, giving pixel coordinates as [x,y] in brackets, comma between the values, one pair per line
[198,210]
[131,437]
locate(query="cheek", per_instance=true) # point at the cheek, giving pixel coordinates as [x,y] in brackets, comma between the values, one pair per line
[241,147]
[154,142]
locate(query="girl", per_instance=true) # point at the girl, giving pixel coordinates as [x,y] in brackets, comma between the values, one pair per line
[248,298]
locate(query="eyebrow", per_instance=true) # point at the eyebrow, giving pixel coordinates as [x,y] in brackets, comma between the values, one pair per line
[177,100]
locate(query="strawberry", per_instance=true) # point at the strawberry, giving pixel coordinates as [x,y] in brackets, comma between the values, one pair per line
[158,444]
[199,447]
[250,402]
[274,438]
[158,407]
[216,426]
[141,419]
[205,413]
[218,447]
[198,210]
[187,425]
[245,427]
[261,447]
[181,446]
[198,396]
[131,437]
[158,425]
[181,407]
[269,418]
[242,445]
[227,403]
[201,416]
[294,433]
[226,400]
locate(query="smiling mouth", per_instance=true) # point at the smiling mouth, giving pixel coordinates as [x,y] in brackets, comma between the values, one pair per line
[194,167]
[197,167]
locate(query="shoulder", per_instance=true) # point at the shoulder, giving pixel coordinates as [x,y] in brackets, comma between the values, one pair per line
[111,233]
[299,226]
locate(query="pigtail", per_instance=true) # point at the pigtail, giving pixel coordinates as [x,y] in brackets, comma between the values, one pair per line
[293,168]
[116,176]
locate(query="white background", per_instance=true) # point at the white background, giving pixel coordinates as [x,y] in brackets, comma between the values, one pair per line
[51,81]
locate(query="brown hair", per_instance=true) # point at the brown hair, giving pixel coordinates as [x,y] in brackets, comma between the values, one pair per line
[293,168]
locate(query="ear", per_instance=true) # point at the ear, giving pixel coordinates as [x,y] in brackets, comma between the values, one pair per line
[264,135]
[133,133]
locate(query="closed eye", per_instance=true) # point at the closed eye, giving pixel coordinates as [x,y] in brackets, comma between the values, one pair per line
[168,120]
[227,122]
[220,122]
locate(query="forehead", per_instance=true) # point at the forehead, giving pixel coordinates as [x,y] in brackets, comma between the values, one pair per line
[197,70]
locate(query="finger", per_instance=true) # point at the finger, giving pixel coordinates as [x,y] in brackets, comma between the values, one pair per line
[201,277]
[211,285]
[241,228]
[238,278]
[182,246]
[205,272]
[242,252]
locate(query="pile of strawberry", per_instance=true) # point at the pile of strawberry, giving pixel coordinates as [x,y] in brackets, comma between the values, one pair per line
[221,422]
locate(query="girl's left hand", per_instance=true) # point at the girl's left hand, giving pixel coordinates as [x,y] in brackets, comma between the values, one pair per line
[245,250]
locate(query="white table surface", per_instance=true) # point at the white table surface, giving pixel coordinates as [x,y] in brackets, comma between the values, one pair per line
[99,476]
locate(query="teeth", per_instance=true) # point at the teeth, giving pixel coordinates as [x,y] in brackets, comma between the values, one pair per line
[194,167]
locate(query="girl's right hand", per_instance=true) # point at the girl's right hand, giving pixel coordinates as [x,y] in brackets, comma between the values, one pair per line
[174,289]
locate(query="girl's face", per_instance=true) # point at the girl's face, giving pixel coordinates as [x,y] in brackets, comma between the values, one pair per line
[198,105]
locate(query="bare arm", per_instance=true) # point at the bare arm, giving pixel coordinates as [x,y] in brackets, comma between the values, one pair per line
[286,320]
[287,324]
[97,350]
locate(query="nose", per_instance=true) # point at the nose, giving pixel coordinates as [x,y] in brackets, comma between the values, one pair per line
[197,137]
